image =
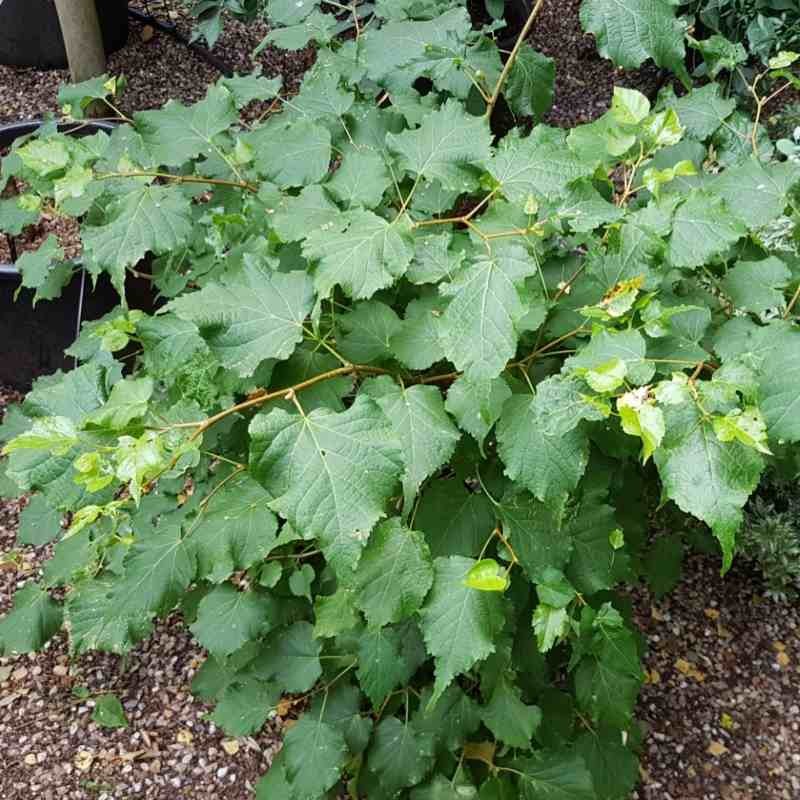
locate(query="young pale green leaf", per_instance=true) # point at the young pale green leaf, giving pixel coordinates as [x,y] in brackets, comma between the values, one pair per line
[487,575]
[258,315]
[459,623]
[331,474]
[56,435]
[639,416]
[394,574]
[425,431]
[128,401]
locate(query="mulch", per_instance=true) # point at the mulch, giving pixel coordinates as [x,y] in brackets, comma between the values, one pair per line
[721,706]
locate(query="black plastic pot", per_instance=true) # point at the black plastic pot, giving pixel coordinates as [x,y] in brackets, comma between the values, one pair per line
[33,340]
[30,35]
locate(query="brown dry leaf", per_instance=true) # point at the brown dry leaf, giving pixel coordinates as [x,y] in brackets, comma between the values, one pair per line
[723,633]
[716,749]
[284,706]
[5,673]
[480,751]
[230,746]
[711,613]
[184,737]
[84,760]
[690,670]
[778,647]
[147,33]
[652,676]
[656,614]
[783,659]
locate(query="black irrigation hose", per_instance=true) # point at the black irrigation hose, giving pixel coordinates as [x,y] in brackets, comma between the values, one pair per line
[172,30]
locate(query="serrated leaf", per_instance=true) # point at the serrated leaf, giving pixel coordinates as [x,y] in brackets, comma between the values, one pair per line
[613,766]
[757,286]
[175,133]
[246,88]
[459,624]
[169,342]
[549,466]
[305,363]
[243,707]
[434,260]
[363,255]
[702,111]
[149,219]
[128,401]
[479,327]
[35,265]
[296,216]
[586,209]
[538,165]
[508,718]
[705,477]
[234,529]
[448,141]
[629,33]
[530,85]
[316,27]
[399,755]
[295,155]
[382,665]
[594,564]
[536,533]
[554,775]
[315,754]
[417,343]
[290,657]
[394,574]
[331,474]
[34,618]
[455,521]
[341,708]
[662,564]
[369,330]
[108,712]
[258,315]
[550,624]
[425,432]
[360,180]
[38,523]
[477,404]
[702,227]
[629,346]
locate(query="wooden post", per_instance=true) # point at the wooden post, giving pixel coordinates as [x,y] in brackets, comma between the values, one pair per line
[83,40]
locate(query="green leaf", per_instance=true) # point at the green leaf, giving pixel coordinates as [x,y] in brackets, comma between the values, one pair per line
[550,625]
[331,474]
[274,785]
[341,708]
[370,328]
[586,209]
[399,755]
[295,155]
[614,768]
[459,624]
[258,315]
[362,255]
[594,564]
[246,88]
[56,435]
[34,618]
[149,219]
[244,706]
[234,529]
[630,33]
[394,574]
[757,286]
[175,133]
[479,328]
[307,362]
[508,718]
[702,110]
[334,613]
[290,657]
[417,344]
[38,523]
[536,533]
[538,165]
[297,216]
[35,265]
[704,476]
[316,27]
[454,717]
[360,180]
[169,342]
[448,141]
[487,575]
[703,227]
[108,712]
[15,217]
[382,662]
[315,754]
[663,564]
[455,521]
[425,432]
[434,259]
[554,775]
[128,401]
[628,346]
[548,465]
[640,417]
[477,404]
[44,156]
[530,85]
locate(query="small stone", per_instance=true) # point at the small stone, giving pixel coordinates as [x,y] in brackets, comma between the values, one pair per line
[84,760]
[30,759]
[222,772]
